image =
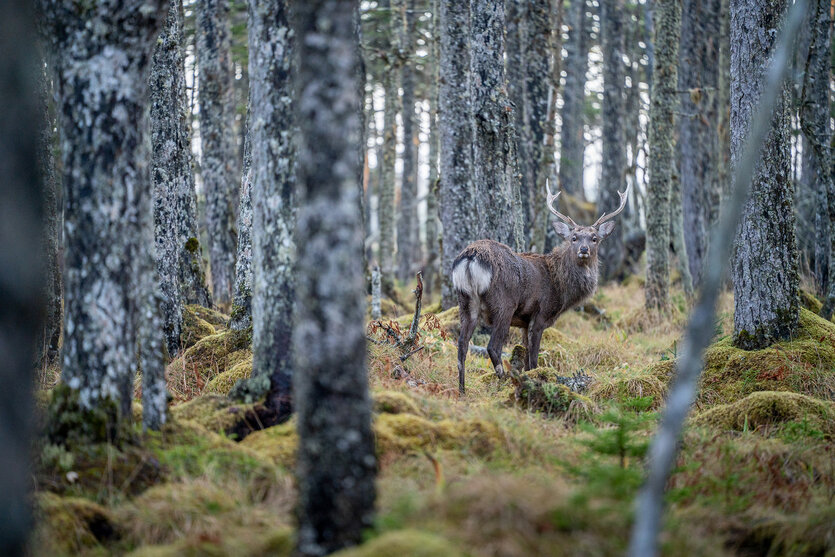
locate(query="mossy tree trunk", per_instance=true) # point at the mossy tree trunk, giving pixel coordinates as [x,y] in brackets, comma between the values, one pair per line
[103,86]
[814,116]
[612,177]
[217,138]
[179,261]
[271,51]
[457,196]
[49,348]
[241,314]
[408,244]
[765,266]
[386,211]
[663,104]
[21,272]
[498,199]
[572,140]
[336,463]
[697,128]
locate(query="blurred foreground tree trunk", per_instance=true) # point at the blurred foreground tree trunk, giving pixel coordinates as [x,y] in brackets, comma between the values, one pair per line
[765,271]
[457,196]
[664,101]
[336,463]
[21,268]
[219,160]
[612,177]
[103,86]
[179,260]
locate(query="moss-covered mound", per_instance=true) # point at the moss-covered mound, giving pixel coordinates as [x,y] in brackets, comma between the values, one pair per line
[543,390]
[765,409]
[804,365]
[276,542]
[810,301]
[394,402]
[188,375]
[212,316]
[223,383]
[194,327]
[624,384]
[402,543]
[278,443]
[70,525]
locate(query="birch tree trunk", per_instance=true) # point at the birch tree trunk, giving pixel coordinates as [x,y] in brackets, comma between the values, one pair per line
[814,116]
[21,270]
[494,136]
[336,463]
[217,137]
[431,272]
[516,31]
[457,196]
[697,128]
[664,101]
[241,314]
[179,263]
[386,201]
[271,51]
[612,177]
[107,181]
[765,267]
[408,244]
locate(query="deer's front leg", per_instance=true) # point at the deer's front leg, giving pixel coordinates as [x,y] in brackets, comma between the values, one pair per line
[534,337]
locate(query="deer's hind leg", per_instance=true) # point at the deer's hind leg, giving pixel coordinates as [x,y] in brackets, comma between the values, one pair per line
[468,315]
[501,328]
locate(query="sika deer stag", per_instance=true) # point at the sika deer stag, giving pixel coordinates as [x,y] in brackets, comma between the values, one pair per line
[526,290]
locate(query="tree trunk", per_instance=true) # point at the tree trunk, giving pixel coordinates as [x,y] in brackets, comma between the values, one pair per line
[219,156]
[723,102]
[457,196]
[572,141]
[106,171]
[517,32]
[241,314]
[49,341]
[271,51]
[664,102]
[386,201]
[21,273]
[494,135]
[614,154]
[697,129]
[178,259]
[431,272]
[408,244]
[765,267]
[814,117]
[336,463]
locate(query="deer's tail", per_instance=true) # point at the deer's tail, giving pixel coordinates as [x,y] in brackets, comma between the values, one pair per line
[471,277]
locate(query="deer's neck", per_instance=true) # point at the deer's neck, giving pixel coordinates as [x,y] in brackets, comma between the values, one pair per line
[573,282]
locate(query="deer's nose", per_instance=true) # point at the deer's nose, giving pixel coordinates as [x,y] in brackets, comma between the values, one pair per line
[584,249]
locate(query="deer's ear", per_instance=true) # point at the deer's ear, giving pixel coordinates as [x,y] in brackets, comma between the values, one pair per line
[606,228]
[562,229]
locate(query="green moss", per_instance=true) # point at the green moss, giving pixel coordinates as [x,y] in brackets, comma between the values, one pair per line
[767,408]
[278,542]
[222,384]
[214,412]
[401,543]
[803,365]
[189,373]
[212,316]
[626,384]
[538,390]
[810,301]
[70,525]
[406,433]
[278,443]
[394,402]
[194,328]
[68,424]
[192,245]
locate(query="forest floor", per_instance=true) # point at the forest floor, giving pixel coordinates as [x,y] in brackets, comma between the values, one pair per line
[509,469]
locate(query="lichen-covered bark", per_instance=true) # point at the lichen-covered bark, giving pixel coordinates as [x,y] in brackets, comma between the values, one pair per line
[697,128]
[664,102]
[408,244]
[765,271]
[271,51]
[494,135]
[457,197]
[387,176]
[178,258]
[241,314]
[814,117]
[219,157]
[723,103]
[516,36]
[336,464]
[572,142]
[21,273]
[611,252]
[49,341]
[431,271]
[103,86]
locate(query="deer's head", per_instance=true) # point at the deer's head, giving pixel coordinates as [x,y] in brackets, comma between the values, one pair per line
[584,240]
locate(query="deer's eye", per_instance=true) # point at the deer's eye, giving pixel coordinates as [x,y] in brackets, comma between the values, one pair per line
[594,239]
[574,238]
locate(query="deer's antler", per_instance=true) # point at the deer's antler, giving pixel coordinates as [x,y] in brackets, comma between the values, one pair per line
[551,199]
[604,217]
